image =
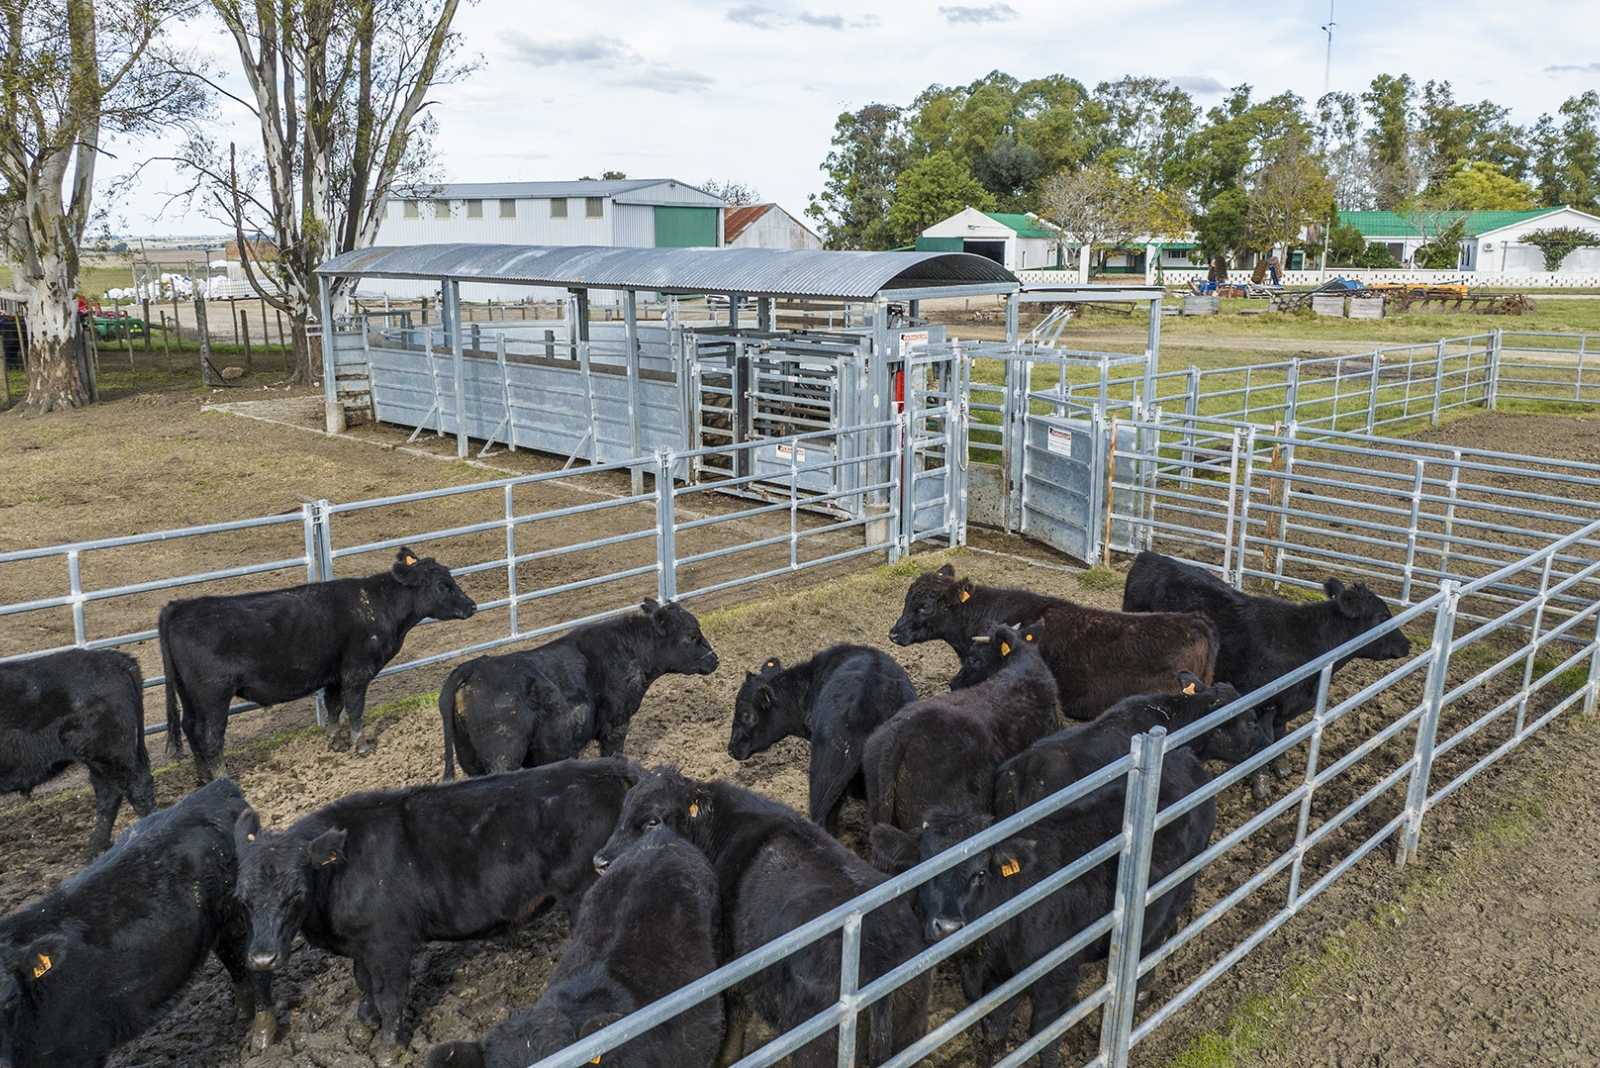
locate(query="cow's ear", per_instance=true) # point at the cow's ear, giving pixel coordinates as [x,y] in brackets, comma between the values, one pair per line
[960,592]
[245,829]
[1006,640]
[764,698]
[948,570]
[699,803]
[649,606]
[1014,856]
[1333,588]
[893,850]
[405,558]
[43,956]
[326,848]
[1189,683]
[771,666]
[598,1022]
[406,568]
[1348,601]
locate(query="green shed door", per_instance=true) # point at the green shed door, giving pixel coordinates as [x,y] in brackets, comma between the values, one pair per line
[686,227]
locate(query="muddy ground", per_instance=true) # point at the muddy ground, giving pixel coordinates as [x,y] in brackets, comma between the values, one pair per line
[462,989]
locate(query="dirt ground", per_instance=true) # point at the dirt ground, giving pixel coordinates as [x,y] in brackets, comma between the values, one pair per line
[120,480]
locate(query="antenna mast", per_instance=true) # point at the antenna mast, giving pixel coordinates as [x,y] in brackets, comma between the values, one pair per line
[1327,66]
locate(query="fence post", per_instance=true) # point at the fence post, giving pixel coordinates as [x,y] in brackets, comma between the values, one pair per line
[1133,881]
[849,982]
[1593,685]
[1191,408]
[1291,393]
[1438,380]
[75,584]
[1492,392]
[1233,486]
[666,527]
[1412,530]
[511,563]
[1447,537]
[1244,505]
[1111,491]
[320,543]
[1372,388]
[1533,643]
[1577,387]
[1428,726]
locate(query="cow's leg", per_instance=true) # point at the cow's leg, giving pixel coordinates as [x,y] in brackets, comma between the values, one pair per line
[207,731]
[389,976]
[333,703]
[355,707]
[738,1019]
[830,775]
[612,741]
[107,800]
[1051,996]
[252,990]
[366,1011]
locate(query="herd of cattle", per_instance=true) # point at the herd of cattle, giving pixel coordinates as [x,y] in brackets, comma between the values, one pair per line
[662,877]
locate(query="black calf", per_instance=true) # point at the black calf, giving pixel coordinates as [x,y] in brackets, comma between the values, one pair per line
[835,701]
[77,707]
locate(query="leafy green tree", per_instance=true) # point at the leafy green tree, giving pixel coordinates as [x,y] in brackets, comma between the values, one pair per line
[1443,251]
[1223,227]
[869,151]
[1479,186]
[1289,193]
[1148,120]
[932,189]
[1557,242]
[1345,246]
[1338,142]
[1388,102]
[1580,150]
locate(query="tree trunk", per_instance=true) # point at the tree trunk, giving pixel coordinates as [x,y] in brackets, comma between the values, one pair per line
[55,376]
[306,359]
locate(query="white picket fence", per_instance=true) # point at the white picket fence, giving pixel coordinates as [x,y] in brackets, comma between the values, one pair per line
[1181,276]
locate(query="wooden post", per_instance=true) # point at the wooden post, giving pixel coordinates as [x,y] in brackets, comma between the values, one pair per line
[233,313]
[166,344]
[244,322]
[282,345]
[204,329]
[145,303]
[127,333]
[175,324]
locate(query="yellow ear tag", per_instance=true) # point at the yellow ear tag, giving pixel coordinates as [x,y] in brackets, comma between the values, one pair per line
[966,595]
[596,1059]
[1027,637]
[410,560]
[770,664]
[1010,867]
[1005,650]
[1189,690]
[694,810]
[42,966]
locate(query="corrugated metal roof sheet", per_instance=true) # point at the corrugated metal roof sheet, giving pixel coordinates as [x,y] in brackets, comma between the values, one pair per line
[1398,224]
[734,223]
[751,271]
[1024,224]
[591,187]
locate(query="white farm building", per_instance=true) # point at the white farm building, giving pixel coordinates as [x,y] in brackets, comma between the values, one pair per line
[1014,240]
[767,226]
[631,212]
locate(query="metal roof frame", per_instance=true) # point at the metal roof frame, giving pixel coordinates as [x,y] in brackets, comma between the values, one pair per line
[745,272]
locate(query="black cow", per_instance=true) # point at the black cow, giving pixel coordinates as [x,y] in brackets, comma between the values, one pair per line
[776,870]
[652,925]
[77,707]
[1083,748]
[942,752]
[835,701]
[1098,657]
[987,880]
[1264,638]
[374,875]
[286,644]
[96,961]
[526,709]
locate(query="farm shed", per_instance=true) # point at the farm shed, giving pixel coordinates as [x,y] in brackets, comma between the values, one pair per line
[627,213]
[767,226]
[611,392]
[1492,241]
[1015,240]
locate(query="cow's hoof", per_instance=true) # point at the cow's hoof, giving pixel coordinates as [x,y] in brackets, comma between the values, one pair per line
[95,849]
[1259,788]
[386,1053]
[263,1030]
[363,748]
[367,1015]
[338,741]
[173,748]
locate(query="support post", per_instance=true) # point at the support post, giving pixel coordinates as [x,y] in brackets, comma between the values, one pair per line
[332,410]
[1372,389]
[1291,393]
[321,535]
[764,314]
[1244,505]
[1191,409]
[1013,317]
[1233,487]
[849,983]
[452,306]
[1438,381]
[1592,687]
[1133,882]
[630,326]
[1492,391]
[666,528]
[1412,531]
[1444,621]
[511,564]
[1152,351]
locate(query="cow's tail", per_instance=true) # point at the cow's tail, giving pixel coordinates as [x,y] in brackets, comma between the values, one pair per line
[141,752]
[447,720]
[879,765]
[163,629]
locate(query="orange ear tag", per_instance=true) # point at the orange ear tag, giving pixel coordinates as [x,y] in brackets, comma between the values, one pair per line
[1189,690]
[966,595]
[410,560]
[694,810]
[41,966]
[1010,867]
[596,1059]
[1005,650]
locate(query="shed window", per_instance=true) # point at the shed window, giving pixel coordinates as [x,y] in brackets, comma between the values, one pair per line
[594,207]
[441,209]
[508,209]
[558,207]
[474,209]
[411,209]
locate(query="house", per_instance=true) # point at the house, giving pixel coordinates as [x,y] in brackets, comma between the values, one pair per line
[1492,241]
[1016,241]
[766,226]
[632,212]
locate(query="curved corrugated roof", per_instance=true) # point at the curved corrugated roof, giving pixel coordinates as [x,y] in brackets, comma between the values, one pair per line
[748,271]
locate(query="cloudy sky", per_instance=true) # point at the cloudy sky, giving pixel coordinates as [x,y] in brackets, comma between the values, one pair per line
[749,89]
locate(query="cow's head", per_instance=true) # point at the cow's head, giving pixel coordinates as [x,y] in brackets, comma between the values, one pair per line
[437,595]
[958,895]
[1239,738]
[679,646]
[931,605]
[662,798]
[1364,610]
[990,652]
[278,872]
[29,969]
[760,714]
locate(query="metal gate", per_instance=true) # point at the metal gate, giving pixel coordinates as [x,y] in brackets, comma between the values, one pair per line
[931,394]
[1064,484]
